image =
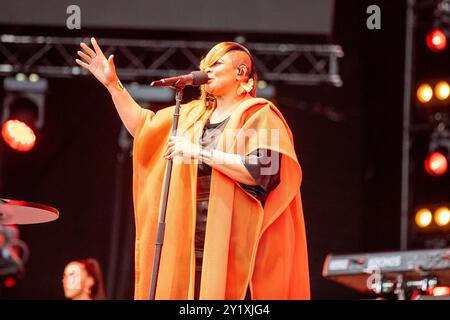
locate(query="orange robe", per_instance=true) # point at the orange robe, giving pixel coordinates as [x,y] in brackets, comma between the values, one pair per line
[245,244]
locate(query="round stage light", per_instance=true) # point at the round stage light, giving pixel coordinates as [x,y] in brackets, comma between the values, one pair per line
[442,216]
[436,164]
[423,218]
[18,135]
[442,90]
[424,93]
[436,40]
[440,291]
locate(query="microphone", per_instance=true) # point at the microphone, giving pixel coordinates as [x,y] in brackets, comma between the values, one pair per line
[195,78]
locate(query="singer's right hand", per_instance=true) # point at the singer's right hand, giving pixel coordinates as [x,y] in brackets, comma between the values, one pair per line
[97,64]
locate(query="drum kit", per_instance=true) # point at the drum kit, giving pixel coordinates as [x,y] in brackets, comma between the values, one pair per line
[13,251]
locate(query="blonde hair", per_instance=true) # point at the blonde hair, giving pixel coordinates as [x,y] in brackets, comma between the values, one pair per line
[218,51]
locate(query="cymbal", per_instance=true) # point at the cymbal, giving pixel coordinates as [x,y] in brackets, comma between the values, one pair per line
[23,212]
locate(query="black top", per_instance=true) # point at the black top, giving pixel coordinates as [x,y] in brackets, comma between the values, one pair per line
[259,163]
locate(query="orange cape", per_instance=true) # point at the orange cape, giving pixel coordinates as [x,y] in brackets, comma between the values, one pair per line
[245,244]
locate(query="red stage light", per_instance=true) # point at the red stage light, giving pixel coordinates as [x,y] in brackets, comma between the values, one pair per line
[18,135]
[436,164]
[439,291]
[436,40]
[9,282]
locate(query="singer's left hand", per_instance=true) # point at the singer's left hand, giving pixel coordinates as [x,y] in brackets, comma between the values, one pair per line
[181,146]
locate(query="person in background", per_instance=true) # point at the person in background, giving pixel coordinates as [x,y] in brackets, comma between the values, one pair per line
[83,280]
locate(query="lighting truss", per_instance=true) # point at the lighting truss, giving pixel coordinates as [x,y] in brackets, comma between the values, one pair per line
[294,64]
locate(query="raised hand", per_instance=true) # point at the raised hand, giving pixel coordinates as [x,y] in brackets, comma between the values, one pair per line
[97,64]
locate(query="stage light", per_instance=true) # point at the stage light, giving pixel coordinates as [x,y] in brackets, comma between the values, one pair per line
[437,37]
[433,93]
[423,218]
[9,282]
[265,90]
[33,77]
[442,90]
[442,216]
[439,291]
[262,84]
[436,164]
[424,93]
[23,111]
[436,40]
[20,77]
[18,135]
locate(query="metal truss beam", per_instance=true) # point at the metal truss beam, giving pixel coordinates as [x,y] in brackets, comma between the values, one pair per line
[136,59]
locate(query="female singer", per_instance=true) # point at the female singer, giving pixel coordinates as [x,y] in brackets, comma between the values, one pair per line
[234,219]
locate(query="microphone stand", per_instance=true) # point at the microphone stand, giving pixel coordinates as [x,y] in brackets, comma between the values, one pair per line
[162,214]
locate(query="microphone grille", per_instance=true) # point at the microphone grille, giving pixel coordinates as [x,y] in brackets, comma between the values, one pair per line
[199,77]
